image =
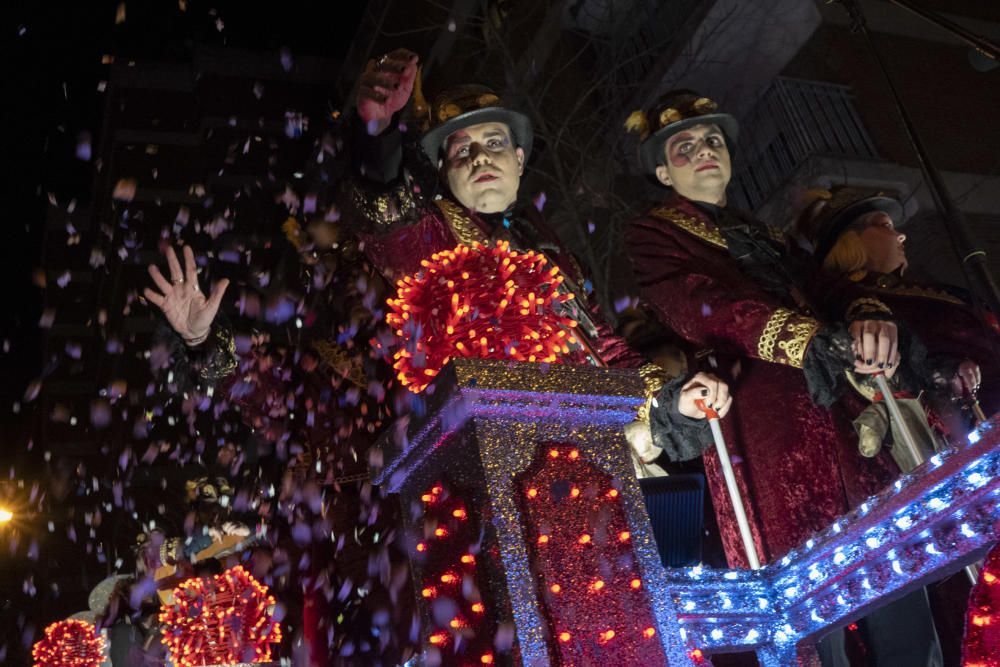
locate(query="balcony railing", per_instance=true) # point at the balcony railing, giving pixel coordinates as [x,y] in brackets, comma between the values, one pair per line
[793,121]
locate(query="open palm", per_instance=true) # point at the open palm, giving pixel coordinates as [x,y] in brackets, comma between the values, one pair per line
[185,306]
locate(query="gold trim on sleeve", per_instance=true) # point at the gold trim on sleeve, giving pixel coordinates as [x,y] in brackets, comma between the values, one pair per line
[653,377]
[461,225]
[785,337]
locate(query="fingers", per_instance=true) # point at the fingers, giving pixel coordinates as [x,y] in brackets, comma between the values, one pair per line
[215,298]
[893,366]
[174,265]
[869,344]
[375,94]
[883,347]
[709,388]
[190,267]
[724,410]
[154,297]
[161,282]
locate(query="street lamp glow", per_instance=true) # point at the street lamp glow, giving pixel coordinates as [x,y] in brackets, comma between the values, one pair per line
[5,515]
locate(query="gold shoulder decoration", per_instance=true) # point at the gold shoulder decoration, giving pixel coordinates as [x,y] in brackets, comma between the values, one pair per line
[692,225]
[865,305]
[785,337]
[461,225]
[385,208]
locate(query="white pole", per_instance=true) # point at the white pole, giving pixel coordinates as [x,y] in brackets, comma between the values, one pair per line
[734,491]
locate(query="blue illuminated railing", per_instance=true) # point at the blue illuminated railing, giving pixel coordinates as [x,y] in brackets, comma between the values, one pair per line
[925,526]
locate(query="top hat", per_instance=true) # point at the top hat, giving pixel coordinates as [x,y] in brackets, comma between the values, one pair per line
[673,112]
[461,106]
[831,212]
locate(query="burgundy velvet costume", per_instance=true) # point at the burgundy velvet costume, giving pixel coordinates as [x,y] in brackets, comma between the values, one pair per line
[396,245]
[796,463]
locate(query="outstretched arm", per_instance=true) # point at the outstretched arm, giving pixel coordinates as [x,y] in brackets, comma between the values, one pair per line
[188,311]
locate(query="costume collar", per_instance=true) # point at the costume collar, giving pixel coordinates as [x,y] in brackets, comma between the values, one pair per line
[892,283]
[697,219]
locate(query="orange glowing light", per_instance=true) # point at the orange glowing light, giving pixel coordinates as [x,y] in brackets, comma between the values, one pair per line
[584,539]
[543,539]
[427,498]
[565,636]
[456,623]
[478,607]
[575,454]
[649,633]
[613,493]
[428,592]
[487,659]
[607,635]
[980,621]
[448,578]
[468,559]
[554,453]
[459,514]
[989,577]
[575,492]
[635,583]
[532,493]
[440,532]
[624,536]
[696,654]
[596,586]
[421,546]
[438,638]
[555,588]
[437,490]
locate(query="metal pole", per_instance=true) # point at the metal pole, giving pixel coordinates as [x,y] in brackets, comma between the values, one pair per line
[734,491]
[972,256]
[978,42]
[971,571]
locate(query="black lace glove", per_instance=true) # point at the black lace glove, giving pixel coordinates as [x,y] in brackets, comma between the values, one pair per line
[681,438]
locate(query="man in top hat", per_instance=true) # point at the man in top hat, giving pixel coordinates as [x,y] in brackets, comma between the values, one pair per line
[854,236]
[479,147]
[729,285]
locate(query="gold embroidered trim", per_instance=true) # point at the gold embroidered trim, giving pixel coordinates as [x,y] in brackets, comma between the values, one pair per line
[788,332]
[926,292]
[340,362]
[691,224]
[865,305]
[653,377]
[461,224]
[387,208]
[222,361]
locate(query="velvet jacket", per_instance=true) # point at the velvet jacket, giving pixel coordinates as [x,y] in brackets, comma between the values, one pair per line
[796,463]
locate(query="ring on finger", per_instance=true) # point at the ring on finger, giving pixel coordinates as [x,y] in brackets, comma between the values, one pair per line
[380,62]
[177,281]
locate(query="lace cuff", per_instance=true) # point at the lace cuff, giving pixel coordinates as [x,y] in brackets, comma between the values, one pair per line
[681,438]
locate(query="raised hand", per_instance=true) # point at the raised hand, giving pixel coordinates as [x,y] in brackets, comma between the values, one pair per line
[708,388]
[186,308]
[385,88]
[965,384]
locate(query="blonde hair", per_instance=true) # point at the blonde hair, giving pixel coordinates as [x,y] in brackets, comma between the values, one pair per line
[847,255]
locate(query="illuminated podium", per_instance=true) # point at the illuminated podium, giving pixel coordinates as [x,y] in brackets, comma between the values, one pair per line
[530,542]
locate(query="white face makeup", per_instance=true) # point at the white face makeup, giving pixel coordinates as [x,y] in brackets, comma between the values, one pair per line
[697,164]
[483,167]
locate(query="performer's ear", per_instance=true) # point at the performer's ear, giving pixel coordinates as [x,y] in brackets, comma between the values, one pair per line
[519,152]
[662,175]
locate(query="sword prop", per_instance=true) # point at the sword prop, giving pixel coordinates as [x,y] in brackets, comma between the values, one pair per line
[971,571]
[735,497]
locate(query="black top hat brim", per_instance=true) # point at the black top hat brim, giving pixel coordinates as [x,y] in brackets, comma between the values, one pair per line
[518,123]
[651,150]
[845,216]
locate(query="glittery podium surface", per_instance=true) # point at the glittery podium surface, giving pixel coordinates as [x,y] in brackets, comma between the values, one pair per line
[530,542]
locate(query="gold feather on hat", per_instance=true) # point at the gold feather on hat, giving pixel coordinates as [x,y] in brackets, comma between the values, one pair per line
[421,108]
[637,122]
[813,195]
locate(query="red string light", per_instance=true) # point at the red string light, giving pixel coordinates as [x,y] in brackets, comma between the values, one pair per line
[69,643]
[220,620]
[981,644]
[477,301]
